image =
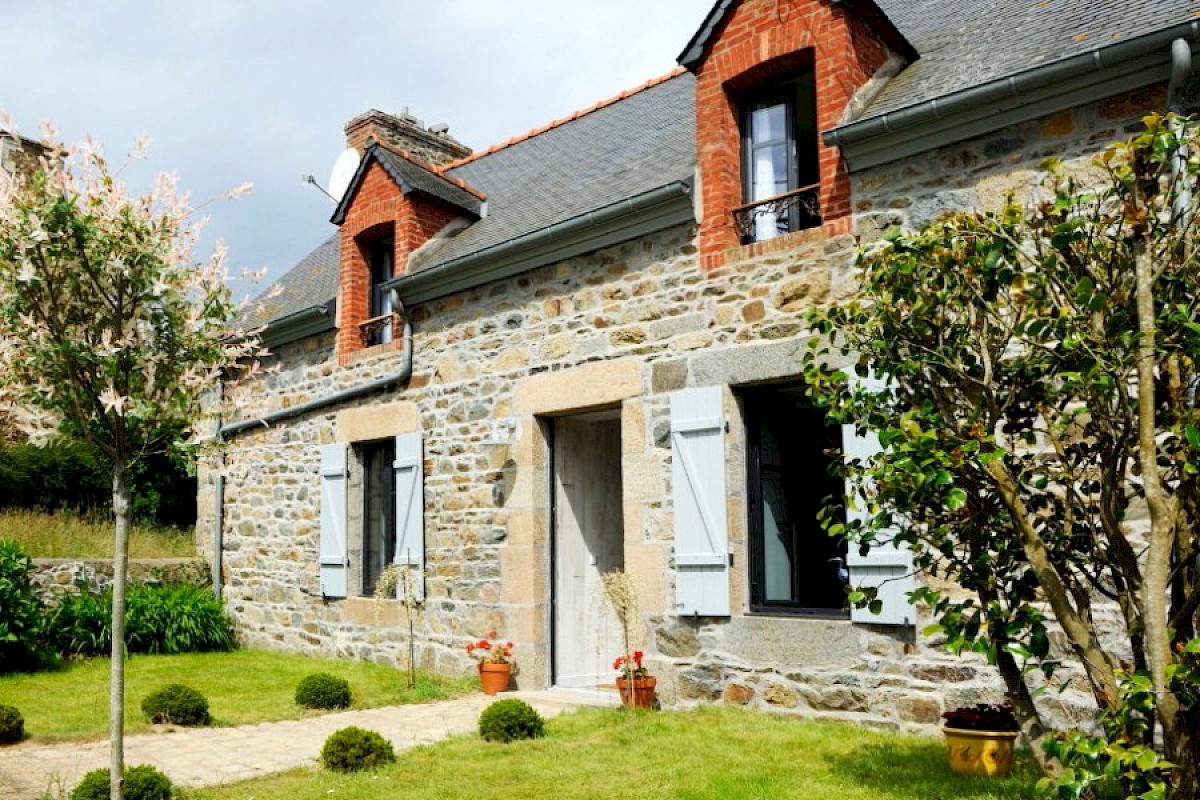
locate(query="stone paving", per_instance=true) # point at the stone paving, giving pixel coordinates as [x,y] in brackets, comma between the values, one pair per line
[211,756]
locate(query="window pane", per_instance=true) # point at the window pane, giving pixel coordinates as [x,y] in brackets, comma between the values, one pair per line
[777,544]
[379,511]
[768,123]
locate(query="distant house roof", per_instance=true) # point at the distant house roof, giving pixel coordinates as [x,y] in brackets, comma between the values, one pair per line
[643,141]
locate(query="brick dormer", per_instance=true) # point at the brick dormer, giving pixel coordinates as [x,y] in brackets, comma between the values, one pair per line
[760,62]
[395,203]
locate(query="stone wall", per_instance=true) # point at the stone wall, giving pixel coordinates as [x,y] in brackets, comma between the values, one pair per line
[622,327]
[53,577]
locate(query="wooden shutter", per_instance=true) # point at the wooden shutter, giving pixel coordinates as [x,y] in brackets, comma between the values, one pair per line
[333,558]
[886,566]
[698,492]
[410,508]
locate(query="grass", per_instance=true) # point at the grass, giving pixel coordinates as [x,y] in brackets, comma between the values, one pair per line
[242,687]
[709,753]
[69,535]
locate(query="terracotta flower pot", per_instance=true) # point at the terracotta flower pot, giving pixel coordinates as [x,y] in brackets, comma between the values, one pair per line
[493,678]
[986,753]
[638,693]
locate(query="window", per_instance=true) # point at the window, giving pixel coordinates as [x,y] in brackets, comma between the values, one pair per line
[779,160]
[379,510]
[795,566]
[378,328]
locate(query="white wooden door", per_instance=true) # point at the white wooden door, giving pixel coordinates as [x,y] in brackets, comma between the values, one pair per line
[588,541]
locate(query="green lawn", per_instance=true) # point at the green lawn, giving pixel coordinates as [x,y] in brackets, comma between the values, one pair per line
[68,535]
[710,753]
[242,687]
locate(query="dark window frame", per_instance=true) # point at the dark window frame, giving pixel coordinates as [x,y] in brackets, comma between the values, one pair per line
[381,266]
[378,475]
[757,405]
[803,158]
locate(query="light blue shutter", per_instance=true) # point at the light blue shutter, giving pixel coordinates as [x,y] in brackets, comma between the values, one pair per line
[333,557]
[410,507]
[886,566]
[698,493]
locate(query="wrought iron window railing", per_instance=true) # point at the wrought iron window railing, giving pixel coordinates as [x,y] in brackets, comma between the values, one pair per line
[791,211]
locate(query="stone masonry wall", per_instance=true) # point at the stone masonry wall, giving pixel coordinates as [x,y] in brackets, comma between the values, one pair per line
[53,577]
[621,327]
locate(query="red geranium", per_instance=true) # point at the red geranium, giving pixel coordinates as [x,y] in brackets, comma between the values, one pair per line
[630,665]
[490,650]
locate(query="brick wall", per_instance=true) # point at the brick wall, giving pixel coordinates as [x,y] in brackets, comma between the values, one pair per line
[378,209]
[759,41]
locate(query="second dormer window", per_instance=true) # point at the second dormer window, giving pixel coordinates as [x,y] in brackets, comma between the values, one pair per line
[779,160]
[379,330]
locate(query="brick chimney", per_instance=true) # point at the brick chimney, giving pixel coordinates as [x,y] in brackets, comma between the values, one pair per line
[404,132]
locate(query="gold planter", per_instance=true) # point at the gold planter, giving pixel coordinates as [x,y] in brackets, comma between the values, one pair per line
[987,753]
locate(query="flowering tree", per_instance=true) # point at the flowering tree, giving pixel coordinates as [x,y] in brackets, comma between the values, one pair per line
[1040,393]
[110,331]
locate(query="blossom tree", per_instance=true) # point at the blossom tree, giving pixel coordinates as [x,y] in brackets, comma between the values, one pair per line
[110,332]
[1033,375]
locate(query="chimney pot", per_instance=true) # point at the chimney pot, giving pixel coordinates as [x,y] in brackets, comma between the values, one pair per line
[404,132]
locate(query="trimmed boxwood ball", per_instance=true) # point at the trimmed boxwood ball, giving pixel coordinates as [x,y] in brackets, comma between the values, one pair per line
[142,782]
[176,704]
[355,749]
[322,690]
[510,719]
[12,725]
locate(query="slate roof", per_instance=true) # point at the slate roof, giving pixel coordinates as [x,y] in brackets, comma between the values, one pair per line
[312,282]
[616,151]
[965,43]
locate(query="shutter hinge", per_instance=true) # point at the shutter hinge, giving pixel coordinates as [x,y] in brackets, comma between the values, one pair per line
[731,559]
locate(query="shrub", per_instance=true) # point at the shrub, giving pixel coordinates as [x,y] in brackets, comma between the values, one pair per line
[22,622]
[510,719]
[322,690]
[176,704]
[159,619]
[355,749]
[142,782]
[12,725]
[177,619]
[81,624]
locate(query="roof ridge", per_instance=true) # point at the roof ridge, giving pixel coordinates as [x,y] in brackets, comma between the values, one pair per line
[431,168]
[674,73]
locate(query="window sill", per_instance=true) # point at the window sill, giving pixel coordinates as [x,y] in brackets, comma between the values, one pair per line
[799,613]
[739,253]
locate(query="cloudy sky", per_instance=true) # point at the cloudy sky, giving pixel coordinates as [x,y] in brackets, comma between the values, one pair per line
[231,91]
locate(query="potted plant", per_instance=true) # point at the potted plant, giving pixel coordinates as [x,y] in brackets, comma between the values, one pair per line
[981,739]
[635,684]
[495,662]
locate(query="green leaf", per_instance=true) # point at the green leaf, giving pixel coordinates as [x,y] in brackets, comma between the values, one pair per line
[956,499]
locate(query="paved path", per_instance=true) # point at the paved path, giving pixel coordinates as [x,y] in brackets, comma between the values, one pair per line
[209,756]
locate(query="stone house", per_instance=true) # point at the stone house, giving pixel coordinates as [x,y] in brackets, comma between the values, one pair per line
[578,350]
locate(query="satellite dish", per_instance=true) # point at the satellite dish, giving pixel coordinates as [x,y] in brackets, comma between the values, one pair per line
[343,172]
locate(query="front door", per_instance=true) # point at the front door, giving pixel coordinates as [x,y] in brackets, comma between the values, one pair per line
[588,542]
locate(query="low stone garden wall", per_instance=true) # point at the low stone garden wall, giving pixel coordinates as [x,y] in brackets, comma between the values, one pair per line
[53,577]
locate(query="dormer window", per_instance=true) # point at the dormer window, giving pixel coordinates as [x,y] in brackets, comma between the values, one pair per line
[780,175]
[377,329]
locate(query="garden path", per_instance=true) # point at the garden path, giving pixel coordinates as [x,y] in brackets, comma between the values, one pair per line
[211,756]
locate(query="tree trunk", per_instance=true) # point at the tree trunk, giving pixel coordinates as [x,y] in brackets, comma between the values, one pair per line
[1162,509]
[116,695]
